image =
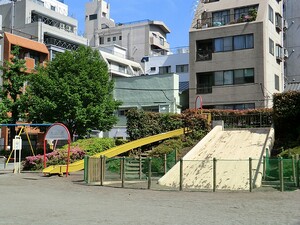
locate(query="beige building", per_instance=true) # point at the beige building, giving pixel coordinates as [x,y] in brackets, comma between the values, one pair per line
[236,54]
[140,38]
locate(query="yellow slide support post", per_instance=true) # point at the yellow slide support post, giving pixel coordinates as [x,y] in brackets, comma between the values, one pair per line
[79,165]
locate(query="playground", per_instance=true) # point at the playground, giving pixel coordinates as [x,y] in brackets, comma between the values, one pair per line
[32,199]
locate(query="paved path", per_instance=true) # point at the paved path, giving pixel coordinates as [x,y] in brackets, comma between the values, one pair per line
[31,199]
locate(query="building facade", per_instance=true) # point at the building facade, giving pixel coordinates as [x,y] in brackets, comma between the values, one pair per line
[292,40]
[150,93]
[118,65]
[140,38]
[236,53]
[177,61]
[45,21]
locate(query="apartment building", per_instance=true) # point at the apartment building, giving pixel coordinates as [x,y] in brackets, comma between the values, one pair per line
[45,21]
[140,38]
[34,53]
[292,40]
[236,53]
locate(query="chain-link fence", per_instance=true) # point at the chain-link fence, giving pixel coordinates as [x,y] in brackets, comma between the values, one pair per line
[282,173]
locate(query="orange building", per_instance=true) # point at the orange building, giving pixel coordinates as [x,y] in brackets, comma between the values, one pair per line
[34,53]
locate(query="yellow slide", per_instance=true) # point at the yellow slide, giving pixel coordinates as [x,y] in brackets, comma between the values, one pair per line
[79,165]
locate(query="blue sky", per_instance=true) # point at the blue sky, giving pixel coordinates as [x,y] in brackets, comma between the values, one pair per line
[176,14]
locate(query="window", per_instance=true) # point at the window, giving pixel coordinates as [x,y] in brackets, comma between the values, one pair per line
[164,69]
[243,42]
[220,18]
[152,69]
[204,83]
[277,82]
[101,40]
[182,68]
[114,38]
[120,38]
[271,14]
[219,78]
[245,14]
[278,52]
[278,22]
[93,17]
[161,40]
[108,39]
[104,14]
[52,8]
[230,77]
[234,43]
[151,108]
[271,46]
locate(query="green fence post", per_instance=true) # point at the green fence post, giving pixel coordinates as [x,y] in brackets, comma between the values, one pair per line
[264,168]
[149,173]
[180,174]
[103,169]
[281,174]
[297,171]
[250,175]
[175,157]
[140,166]
[123,171]
[214,174]
[85,177]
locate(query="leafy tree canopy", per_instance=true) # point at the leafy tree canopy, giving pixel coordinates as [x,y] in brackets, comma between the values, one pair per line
[75,89]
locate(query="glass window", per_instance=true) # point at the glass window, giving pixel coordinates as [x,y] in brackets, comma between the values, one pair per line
[271,46]
[108,39]
[93,17]
[220,18]
[249,41]
[239,77]
[228,77]
[227,44]
[120,38]
[164,69]
[182,68]
[114,38]
[219,78]
[218,42]
[271,14]
[249,75]
[276,82]
[239,42]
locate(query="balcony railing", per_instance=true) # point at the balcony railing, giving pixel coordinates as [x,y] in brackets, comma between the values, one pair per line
[204,55]
[223,20]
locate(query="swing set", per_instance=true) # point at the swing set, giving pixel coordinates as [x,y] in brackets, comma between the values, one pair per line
[23,128]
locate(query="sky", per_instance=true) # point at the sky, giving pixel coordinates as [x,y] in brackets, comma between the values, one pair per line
[176,14]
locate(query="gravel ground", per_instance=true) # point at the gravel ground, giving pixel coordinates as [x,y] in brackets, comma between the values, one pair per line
[30,198]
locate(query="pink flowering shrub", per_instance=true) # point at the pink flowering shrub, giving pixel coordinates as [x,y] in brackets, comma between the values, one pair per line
[57,157]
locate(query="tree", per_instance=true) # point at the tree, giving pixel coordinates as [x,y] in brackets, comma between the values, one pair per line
[75,89]
[11,93]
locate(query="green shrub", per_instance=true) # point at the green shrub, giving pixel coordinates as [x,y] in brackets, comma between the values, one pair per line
[92,146]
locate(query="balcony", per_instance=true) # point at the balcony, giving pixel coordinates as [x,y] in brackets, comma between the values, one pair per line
[223,18]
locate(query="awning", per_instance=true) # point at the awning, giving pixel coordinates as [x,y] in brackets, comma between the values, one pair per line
[26,43]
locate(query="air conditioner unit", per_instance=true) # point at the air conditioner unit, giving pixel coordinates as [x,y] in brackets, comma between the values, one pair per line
[285,53]
[62,26]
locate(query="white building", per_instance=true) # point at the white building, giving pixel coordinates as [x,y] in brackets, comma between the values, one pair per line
[45,21]
[140,38]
